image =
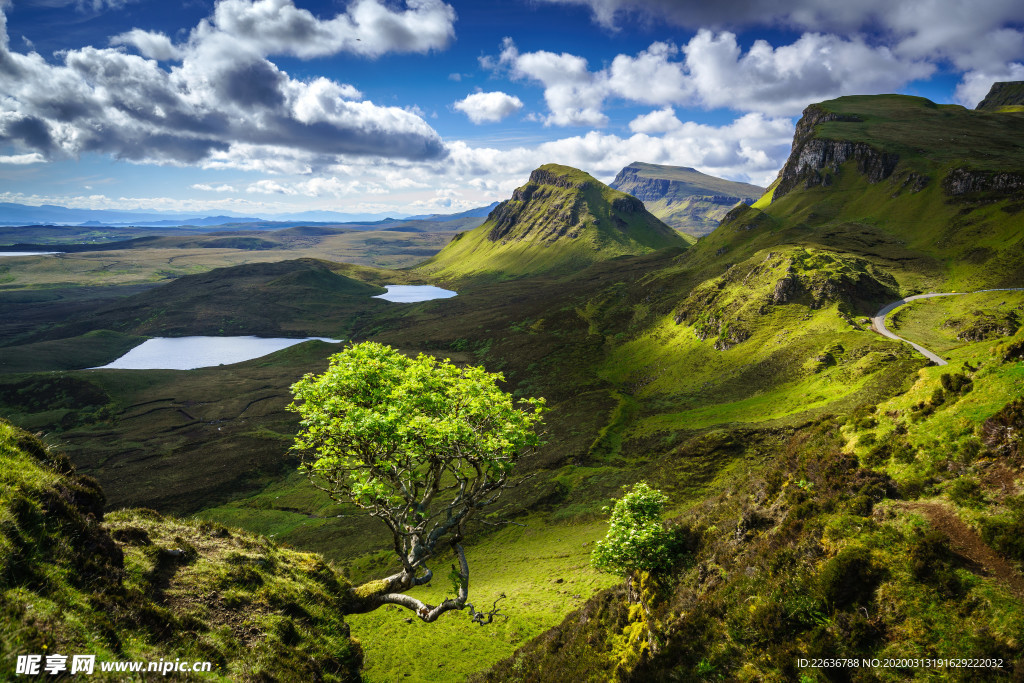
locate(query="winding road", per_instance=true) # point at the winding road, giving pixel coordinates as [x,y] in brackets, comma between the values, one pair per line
[878,319]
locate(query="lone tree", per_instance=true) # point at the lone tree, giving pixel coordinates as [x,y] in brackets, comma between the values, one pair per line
[419,443]
[637,540]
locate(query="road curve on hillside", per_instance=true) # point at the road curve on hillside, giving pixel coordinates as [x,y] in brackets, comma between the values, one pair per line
[878,319]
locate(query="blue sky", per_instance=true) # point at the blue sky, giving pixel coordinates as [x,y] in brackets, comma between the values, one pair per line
[416,106]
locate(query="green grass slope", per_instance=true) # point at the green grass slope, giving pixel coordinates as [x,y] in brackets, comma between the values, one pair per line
[562,220]
[931,192]
[136,586]
[891,533]
[686,199]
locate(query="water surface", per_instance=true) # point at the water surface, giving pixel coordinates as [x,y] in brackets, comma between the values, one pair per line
[407,294]
[189,353]
[28,253]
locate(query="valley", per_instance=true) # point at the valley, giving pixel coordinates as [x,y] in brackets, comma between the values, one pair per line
[806,455]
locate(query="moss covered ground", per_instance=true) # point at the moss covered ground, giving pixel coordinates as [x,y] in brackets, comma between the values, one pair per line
[137,586]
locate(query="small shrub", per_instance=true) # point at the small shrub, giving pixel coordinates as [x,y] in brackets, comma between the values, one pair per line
[637,539]
[850,577]
[966,491]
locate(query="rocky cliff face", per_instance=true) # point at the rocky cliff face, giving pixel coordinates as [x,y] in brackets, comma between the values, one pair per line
[812,158]
[686,199]
[962,181]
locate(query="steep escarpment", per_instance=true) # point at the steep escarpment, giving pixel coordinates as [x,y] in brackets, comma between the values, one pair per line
[931,191]
[684,198]
[813,160]
[562,219]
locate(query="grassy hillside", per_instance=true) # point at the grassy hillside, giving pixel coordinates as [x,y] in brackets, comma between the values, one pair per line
[560,221]
[135,585]
[740,376]
[686,199]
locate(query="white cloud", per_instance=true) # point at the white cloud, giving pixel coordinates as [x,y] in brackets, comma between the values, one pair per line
[224,105]
[752,148]
[488,107]
[23,159]
[976,37]
[976,84]
[368,27]
[660,121]
[785,79]
[149,44]
[270,187]
[213,188]
[712,71]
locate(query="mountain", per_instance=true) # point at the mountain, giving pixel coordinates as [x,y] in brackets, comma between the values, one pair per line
[22,214]
[561,220]
[478,212]
[930,192]
[684,198]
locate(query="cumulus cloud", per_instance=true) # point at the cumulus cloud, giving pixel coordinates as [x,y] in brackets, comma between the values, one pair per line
[368,27]
[712,71]
[224,104]
[149,44]
[660,121]
[488,107]
[972,36]
[785,79]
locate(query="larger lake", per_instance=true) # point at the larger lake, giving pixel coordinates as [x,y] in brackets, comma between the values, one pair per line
[28,253]
[189,353]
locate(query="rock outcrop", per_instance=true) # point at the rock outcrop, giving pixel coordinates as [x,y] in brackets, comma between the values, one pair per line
[813,159]
[962,181]
[686,199]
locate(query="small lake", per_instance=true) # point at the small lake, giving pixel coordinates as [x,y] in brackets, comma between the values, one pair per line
[28,253]
[407,294]
[189,353]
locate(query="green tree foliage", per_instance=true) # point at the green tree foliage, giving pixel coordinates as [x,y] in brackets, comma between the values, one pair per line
[420,444]
[637,539]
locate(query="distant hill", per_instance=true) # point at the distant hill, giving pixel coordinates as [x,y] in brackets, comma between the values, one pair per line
[684,198]
[24,215]
[562,219]
[297,298]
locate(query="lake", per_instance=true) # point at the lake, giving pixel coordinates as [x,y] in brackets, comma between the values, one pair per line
[28,253]
[189,353]
[407,294]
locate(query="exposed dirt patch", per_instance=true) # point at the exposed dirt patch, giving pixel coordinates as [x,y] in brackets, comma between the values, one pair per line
[966,542]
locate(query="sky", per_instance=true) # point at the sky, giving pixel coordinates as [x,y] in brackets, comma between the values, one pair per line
[257,107]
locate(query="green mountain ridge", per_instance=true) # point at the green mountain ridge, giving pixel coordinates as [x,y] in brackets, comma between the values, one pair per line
[560,221]
[686,199]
